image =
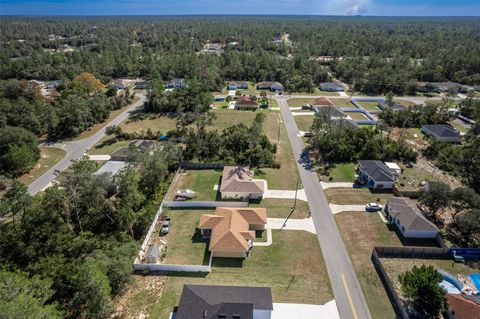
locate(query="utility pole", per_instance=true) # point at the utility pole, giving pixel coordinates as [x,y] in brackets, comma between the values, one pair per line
[293,207]
[279,126]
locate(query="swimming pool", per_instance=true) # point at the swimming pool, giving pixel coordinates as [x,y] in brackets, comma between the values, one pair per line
[449,287]
[475,277]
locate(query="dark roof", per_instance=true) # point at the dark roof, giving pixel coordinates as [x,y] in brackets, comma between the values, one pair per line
[143,145]
[246,100]
[442,130]
[403,209]
[377,170]
[208,302]
[331,85]
[396,106]
[176,83]
[121,152]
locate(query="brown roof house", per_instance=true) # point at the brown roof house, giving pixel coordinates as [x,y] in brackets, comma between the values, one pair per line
[408,218]
[238,182]
[246,103]
[463,306]
[322,102]
[232,230]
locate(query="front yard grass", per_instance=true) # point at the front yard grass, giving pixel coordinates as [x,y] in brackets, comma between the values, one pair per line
[356,115]
[297,102]
[404,103]
[341,172]
[49,156]
[304,122]
[107,145]
[281,208]
[355,196]
[372,106]
[181,249]
[361,232]
[295,275]
[201,182]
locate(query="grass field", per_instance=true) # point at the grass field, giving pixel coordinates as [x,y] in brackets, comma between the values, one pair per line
[304,122]
[459,127]
[342,103]
[411,178]
[355,196]
[181,248]
[281,208]
[49,156]
[362,231]
[356,115]
[201,182]
[342,172]
[155,123]
[295,275]
[296,102]
[404,103]
[372,106]
[107,145]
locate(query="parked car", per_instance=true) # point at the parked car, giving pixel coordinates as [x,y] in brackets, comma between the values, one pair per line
[187,193]
[306,107]
[166,226]
[373,207]
[180,198]
[308,134]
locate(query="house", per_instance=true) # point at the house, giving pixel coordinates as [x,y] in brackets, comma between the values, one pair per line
[269,85]
[246,103]
[111,167]
[118,85]
[215,48]
[462,306]
[238,182]
[322,102]
[375,174]
[232,230]
[122,154]
[176,84]
[238,85]
[53,85]
[213,302]
[442,133]
[142,85]
[331,87]
[396,106]
[408,218]
[153,254]
[445,86]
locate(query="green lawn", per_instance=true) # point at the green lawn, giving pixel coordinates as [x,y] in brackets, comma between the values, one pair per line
[411,178]
[295,275]
[281,208]
[459,127]
[201,182]
[369,105]
[342,102]
[316,92]
[147,121]
[181,248]
[342,172]
[304,122]
[296,102]
[362,231]
[49,156]
[404,103]
[273,103]
[356,115]
[355,196]
[107,145]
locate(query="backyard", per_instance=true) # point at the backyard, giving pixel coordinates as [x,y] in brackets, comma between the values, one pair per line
[357,116]
[355,196]
[49,156]
[342,172]
[361,232]
[201,182]
[295,275]
[304,122]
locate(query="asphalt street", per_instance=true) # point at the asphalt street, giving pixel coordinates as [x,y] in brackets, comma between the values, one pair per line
[348,294]
[75,149]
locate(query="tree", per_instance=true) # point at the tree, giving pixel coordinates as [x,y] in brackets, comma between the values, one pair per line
[15,201]
[18,150]
[468,223]
[437,196]
[88,83]
[463,199]
[22,296]
[421,288]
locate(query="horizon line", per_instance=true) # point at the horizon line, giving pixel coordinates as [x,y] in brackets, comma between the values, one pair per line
[241,14]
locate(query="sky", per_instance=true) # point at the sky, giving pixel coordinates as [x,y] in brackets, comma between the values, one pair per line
[285,7]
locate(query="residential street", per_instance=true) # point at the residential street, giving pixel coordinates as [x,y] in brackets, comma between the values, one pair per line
[75,149]
[348,294]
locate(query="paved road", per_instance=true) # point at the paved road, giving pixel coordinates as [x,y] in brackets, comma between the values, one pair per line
[75,149]
[348,294]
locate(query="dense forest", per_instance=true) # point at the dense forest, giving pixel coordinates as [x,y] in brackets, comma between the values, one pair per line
[374,54]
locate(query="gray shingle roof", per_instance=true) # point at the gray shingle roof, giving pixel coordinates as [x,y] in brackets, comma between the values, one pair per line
[377,170]
[208,302]
[403,209]
[442,130]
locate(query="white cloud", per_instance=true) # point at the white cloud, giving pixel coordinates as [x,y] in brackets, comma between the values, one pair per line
[348,7]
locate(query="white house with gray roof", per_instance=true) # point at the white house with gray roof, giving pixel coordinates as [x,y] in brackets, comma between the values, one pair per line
[375,174]
[408,218]
[442,133]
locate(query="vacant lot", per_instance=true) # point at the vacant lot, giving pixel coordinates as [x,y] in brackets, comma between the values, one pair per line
[143,122]
[411,178]
[49,156]
[362,231]
[107,145]
[355,196]
[201,182]
[281,208]
[181,247]
[369,105]
[295,275]
[296,102]
[459,126]
[357,115]
[342,172]
[304,122]
[404,103]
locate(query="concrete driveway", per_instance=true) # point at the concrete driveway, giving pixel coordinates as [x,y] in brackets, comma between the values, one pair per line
[305,224]
[285,194]
[304,311]
[328,185]
[99,157]
[346,208]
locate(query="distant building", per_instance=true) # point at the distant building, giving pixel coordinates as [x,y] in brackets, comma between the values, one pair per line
[245,103]
[331,87]
[442,133]
[322,102]
[441,87]
[396,106]
[375,174]
[142,85]
[122,154]
[176,84]
[270,85]
[53,85]
[232,302]
[409,220]
[238,85]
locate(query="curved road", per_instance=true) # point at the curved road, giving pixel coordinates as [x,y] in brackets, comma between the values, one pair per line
[348,294]
[75,149]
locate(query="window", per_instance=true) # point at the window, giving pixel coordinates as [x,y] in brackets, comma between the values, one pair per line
[222,315]
[235,316]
